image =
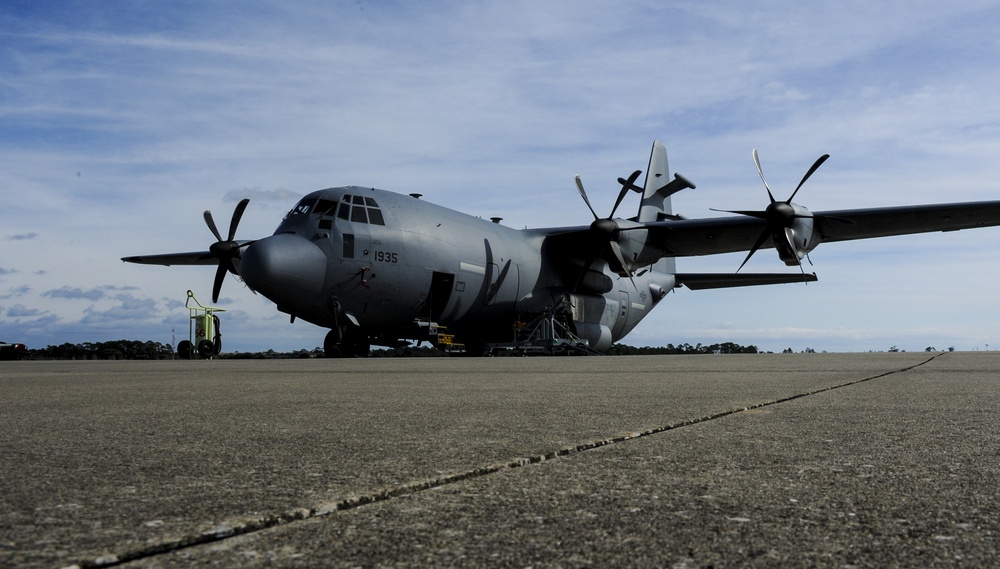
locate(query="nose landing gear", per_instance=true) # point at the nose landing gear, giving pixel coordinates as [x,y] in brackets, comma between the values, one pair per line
[345,339]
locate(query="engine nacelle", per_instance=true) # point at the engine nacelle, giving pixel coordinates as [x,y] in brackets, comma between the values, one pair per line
[797,239]
[598,336]
[594,282]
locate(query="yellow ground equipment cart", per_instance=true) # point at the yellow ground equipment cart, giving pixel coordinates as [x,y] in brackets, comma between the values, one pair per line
[204,334]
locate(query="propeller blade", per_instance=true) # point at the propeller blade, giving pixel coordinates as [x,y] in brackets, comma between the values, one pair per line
[756,161]
[225,251]
[583,194]
[760,241]
[630,182]
[621,259]
[220,275]
[626,186]
[789,239]
[211,225]
[817,164]
[237,216]
[621,196]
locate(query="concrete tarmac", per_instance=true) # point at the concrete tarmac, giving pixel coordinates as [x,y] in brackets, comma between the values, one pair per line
[827,460]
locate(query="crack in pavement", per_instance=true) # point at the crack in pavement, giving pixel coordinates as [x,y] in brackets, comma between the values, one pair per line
[223,532]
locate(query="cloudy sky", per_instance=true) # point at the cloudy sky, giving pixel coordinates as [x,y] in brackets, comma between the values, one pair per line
[121,121]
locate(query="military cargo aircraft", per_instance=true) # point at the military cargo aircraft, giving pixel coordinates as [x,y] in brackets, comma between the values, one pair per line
[382,268]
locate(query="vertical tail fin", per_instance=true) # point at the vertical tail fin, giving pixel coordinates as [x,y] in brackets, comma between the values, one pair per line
[655,202]
[659,186]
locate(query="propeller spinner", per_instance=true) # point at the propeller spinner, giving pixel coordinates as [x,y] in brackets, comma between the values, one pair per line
[225,250]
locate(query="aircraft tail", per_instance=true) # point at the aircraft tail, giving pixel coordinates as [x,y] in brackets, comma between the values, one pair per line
[655,205]
[654,202]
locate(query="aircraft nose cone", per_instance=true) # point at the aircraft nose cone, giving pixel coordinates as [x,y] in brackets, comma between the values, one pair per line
[285,268]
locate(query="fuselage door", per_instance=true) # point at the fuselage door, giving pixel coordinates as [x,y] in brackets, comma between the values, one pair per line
[623,309]
[437,299]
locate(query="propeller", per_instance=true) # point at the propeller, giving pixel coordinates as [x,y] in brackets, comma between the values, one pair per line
[779,215]
[606,229]
[225,250]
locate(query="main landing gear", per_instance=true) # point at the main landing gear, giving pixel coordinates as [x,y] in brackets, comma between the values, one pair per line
[349,344]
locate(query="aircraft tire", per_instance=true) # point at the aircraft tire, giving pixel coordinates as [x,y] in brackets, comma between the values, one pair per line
[477,349]
[360,348]
[331,348]
[351,346]
[184,349]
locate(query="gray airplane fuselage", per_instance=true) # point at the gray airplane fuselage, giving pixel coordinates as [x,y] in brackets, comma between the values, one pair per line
[389,262]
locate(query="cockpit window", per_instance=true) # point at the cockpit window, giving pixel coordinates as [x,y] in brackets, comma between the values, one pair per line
[360,209]
[302,207]
[359,214]
[325,207]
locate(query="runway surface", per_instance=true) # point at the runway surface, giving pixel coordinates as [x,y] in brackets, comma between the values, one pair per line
[683,461]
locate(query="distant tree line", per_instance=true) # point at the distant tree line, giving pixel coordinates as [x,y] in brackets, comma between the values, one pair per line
[113,350]
[723,348]
[149,350]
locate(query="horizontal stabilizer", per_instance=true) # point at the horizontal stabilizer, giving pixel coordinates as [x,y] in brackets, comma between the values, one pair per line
[701,281]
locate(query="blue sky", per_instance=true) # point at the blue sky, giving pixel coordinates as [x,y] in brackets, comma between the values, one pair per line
[120,122]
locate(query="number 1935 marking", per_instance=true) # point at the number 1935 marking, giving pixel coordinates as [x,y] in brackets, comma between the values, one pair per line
[386,257]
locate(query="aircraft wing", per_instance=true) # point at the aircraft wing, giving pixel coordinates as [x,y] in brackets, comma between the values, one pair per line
[192,258]
[709,236]
[575,248]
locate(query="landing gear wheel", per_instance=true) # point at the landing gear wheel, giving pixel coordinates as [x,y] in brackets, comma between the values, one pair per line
[331,347]
[477,349]
[359,348]
[355,344]
[351,345]
[185,349]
